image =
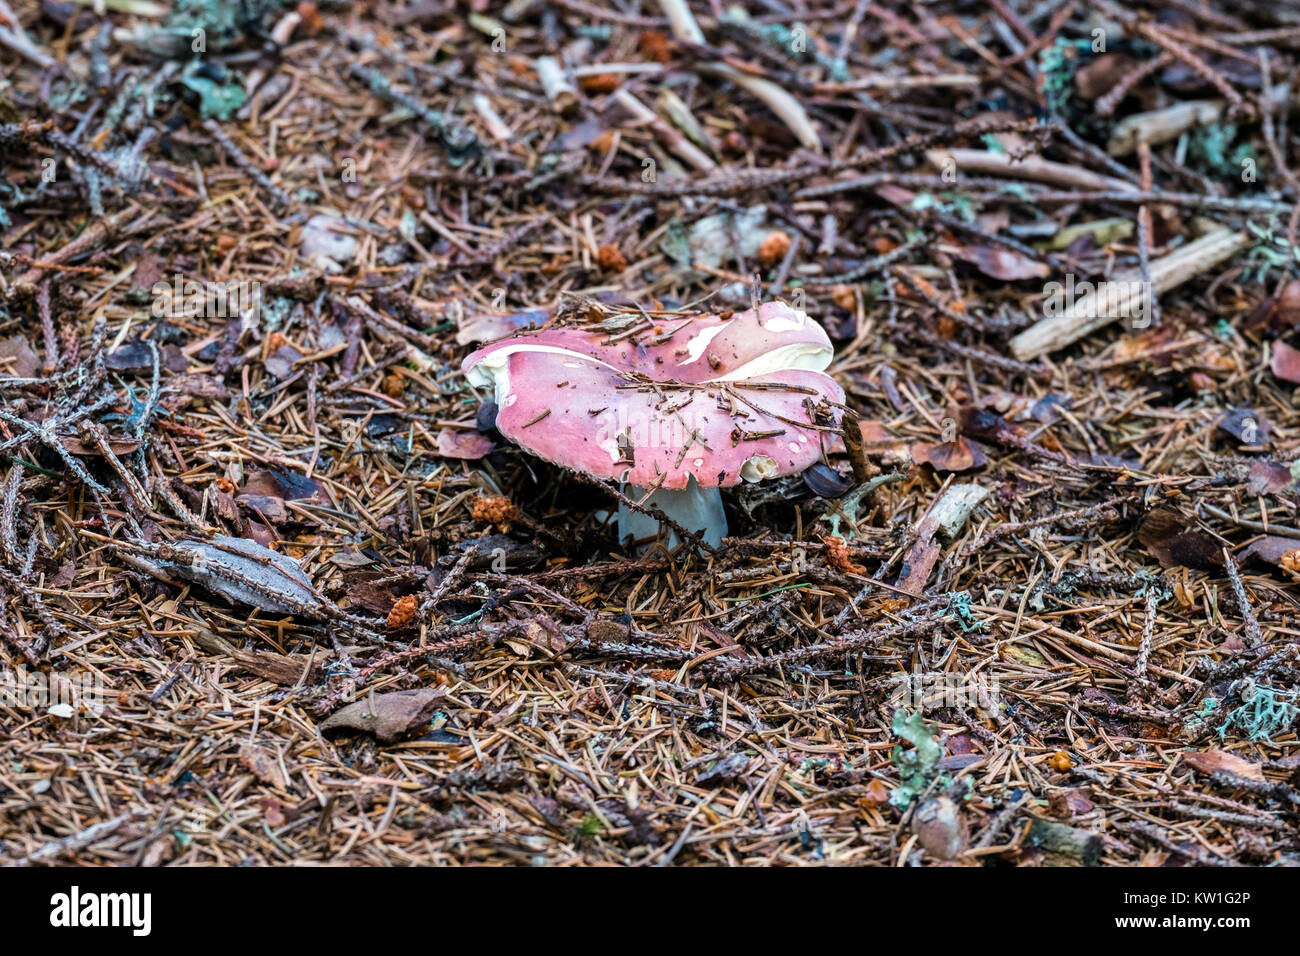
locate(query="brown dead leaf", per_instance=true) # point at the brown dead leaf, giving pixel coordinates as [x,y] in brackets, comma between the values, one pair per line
[1286,362]
[1168,535]
[1246,425]
[960,455]
[1003,264]
[1268,478]
[1208,761]
[283,669]
[18,359]
[263,765]
[456,443]
[283,483]
[388,716]
[1269,549]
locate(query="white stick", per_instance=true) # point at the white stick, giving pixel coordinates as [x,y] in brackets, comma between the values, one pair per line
[789,110]
[1160,126]
[562,94]
[985,163]
[682,20]
[1095,310]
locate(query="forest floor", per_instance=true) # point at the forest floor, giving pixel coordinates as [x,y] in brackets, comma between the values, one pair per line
[1041,609]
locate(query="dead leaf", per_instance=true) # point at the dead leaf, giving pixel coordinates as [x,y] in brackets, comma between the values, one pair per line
[490,326]
[940,828]
[1101,74]
[960,455]
[1072,802]
[364,591]
[119,446]
[1003,264]
[725,770]
[1288,304]
[1286,362]
[198,385]
[283,483]
[1167,534]
[276,582]
[1208,761]
[280,363]
[263,765]
[1269,549]
[467,445]
[18,359]
[1246,425]
[388,716]
[272,509]
[1268,477]
[283,669]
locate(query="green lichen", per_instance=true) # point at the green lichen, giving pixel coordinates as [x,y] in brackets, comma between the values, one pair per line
[1056,66]
[918,767]
[1269,254]
[216,23]
[1210,149]
[218,101]
[950,203]
[1264,712]
[959,609]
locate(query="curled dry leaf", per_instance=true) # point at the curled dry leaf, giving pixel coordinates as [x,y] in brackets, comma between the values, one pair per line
[244,572]
[490,326]
[263,765]
[388,716]
[1270,549]
[1287,306]
[1003,263]
[1246,425]
[1168,535]
[18,359]
[1210,761]
[960,455]
[728,768]
[285,484]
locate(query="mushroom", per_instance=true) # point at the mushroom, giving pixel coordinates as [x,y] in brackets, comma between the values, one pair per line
[676,405]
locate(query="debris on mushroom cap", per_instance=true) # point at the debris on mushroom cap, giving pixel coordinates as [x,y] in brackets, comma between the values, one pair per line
[654,398]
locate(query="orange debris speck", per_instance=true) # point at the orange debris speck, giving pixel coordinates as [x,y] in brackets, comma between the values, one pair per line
[611,259]
[774,248]
[498,511]
[838,555]
[403,613]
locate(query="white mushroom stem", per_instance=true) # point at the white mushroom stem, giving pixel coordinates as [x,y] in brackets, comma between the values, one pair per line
[694,508]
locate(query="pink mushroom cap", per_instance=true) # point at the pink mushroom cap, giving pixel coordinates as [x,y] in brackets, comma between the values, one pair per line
[719,399]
